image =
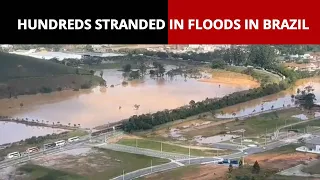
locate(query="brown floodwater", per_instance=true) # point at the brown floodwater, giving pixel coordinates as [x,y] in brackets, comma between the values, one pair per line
[275,101]
[101,105]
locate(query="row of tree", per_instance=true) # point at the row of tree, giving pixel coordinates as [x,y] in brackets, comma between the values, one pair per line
[257,55]
[148,121]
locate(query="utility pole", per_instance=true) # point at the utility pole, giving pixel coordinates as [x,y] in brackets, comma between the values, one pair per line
[265,143]
[189,153]
[161,146]
[151,165]
[123,175]
[136,142]
[105,138]
[90,135]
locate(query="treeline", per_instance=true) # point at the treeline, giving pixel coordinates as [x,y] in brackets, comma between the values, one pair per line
[148,121]
[258,55]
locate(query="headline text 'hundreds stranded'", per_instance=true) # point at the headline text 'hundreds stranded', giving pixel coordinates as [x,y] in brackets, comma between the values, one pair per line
[99,24]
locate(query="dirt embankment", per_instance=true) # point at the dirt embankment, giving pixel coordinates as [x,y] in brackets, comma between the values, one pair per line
[278,161]
[204,172]
[230,78]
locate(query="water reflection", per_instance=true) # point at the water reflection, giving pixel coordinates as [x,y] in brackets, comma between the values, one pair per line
[13,132]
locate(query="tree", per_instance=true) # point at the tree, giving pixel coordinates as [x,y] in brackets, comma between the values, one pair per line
[77,71]
[192,103]
[92,72]
[134,75]
[127,68]
[309,100]
[298,91]
[230,168]
[256,168]
[262,55]
[89,48]
[240,163]
[218,64]
[143,68]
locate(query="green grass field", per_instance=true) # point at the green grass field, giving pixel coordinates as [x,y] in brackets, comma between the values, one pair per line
[177,173]
[43,173]
[21,75]
[154,145]
[111,164]
[254,126]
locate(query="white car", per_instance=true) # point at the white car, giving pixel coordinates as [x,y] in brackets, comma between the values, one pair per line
[13,155]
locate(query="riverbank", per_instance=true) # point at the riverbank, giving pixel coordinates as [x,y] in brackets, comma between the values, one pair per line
[41,123]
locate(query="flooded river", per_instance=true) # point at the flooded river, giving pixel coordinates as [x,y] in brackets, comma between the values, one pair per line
[101,105]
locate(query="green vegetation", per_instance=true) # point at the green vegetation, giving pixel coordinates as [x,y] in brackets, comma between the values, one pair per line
[42,173]
[250,173]
[113,164]
[177,173]
[154,145]
[148,121]
[126,162]
[21,75]
[261,56]
[287,149]
[255,125]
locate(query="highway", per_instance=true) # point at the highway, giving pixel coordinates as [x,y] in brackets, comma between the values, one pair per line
[165,167]
[142,151]
[82,142]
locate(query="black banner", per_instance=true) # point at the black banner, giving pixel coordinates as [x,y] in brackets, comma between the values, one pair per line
[84,22]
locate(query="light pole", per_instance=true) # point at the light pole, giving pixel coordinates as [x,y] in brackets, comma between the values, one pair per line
[189,153]
[265,143]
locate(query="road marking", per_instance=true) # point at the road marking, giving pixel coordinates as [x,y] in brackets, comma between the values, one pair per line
[176,162]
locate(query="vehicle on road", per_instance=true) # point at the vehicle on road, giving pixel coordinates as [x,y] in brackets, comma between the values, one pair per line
[73,139]
[13,155]
[50,145]
[60,143]
[32,150]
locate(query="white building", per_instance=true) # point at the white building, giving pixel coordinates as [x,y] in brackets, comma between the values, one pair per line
[312,146]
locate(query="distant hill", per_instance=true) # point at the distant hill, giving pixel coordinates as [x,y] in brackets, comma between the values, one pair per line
[17,66]
[27,75]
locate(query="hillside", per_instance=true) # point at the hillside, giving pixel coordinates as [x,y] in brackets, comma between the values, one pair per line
[27,75]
